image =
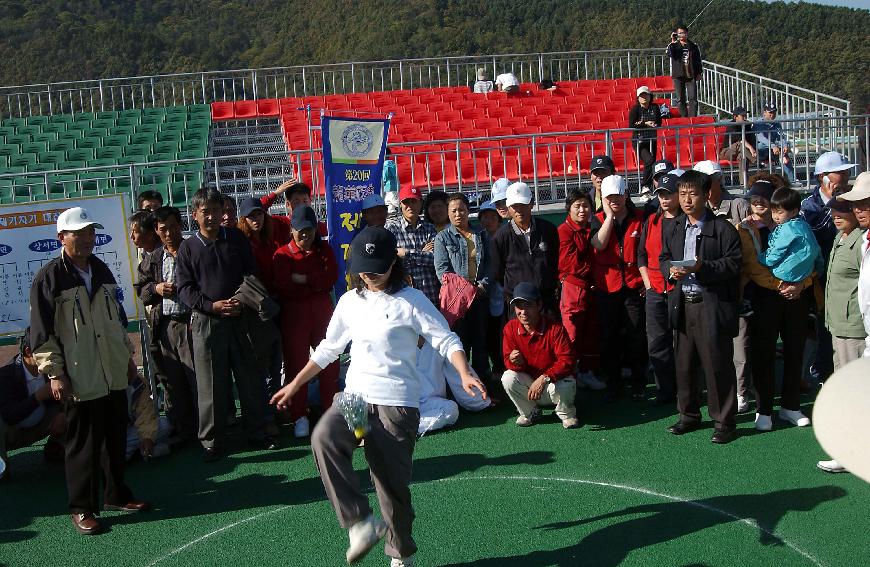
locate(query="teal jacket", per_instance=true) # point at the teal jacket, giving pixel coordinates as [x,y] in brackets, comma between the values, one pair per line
[792,252]
[842,315]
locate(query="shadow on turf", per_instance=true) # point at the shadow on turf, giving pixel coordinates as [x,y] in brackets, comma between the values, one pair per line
[663,522]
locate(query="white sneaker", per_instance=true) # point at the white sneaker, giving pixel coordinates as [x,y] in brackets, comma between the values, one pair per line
[301,427]
[763,422]
[524,421]
[742,404]
[589,380]
[794,417]
[403,562]
[363,537]
[571,423]
[831,466]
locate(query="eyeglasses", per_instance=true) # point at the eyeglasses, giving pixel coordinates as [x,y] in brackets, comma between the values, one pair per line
[371,275]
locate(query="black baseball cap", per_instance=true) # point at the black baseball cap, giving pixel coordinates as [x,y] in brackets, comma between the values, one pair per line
[249,205]
[526,291]
[303,217]
[739,110]
[662,166]
[602,162]
[668,183]
[770,106]
[373,251]
[761,188]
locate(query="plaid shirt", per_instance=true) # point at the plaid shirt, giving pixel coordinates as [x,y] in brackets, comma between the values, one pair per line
[171,306]
[418,264]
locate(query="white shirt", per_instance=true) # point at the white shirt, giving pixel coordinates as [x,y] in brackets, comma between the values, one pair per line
[507,80]
[383,331]
[87,276]
[864,290]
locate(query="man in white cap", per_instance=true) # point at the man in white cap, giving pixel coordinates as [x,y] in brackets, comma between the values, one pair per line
[526,249]
[833,171]
[722,203]
[507,82]
[482,86]
[79,340]
[859,199]
[499,195]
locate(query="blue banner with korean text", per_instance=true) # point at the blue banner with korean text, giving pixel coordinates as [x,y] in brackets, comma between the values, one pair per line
[353,161]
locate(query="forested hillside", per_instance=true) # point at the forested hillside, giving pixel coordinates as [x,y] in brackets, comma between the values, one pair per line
[813,46]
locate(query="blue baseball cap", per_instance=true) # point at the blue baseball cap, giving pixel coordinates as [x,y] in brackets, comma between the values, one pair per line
[526,291]
[372,201]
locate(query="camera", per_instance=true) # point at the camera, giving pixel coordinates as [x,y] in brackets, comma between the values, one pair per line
[673,36]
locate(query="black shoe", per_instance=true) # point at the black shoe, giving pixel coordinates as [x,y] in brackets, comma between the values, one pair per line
[723,436]
[679,428]
[210,454]
[268,442]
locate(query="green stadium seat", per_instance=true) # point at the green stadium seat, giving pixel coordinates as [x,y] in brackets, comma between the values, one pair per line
[61,145]
[10,150]
[4,161]
[129,112]
[143,138]
[93,181]
[7,131]
[45,137]
[122,130]
[71,165]
[95,133]
[103,123]
[199,124]
[14,122]
[83,117]
[195,145]
[101,162]
[80,154]
[137,149]
[60,185]
[199,109]
[34,147]
[106,115]
[161,157]
[148,127]
[189,154]
[170,147]
[60,118]
[172,118]
[116,140]
[37,120]
[53,157]
[41,167]
[109,152]
[153,175]
[172,126]
[90,142]
[53,127]
[179,193]
[70,134]
[154,111]
[23,160]
[169,136]
[128,121]
[18,139]
[132,158]
[28,130]
[12,170]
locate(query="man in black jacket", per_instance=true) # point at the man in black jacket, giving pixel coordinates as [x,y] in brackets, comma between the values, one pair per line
[686,70]
[526,249]
[169,318]
[701,256]
[28,411]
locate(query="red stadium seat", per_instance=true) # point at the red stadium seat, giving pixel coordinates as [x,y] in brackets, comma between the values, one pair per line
[499,131]
[448,116]
[437,107]
[549,110]
[222,111]
[499,112]
[245,109]
[664,84]
[472,113]
[406,129]
[462,105]
[423,117]
[525,111]
[461,125]
[528,130]
[268,107]
[540,120]
[486,123]
[473,170]
[513,121]
[451,98]
[415,108]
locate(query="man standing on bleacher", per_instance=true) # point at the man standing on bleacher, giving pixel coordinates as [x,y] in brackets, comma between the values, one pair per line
[686,70]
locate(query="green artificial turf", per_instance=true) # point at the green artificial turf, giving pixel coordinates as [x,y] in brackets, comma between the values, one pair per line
[618,491]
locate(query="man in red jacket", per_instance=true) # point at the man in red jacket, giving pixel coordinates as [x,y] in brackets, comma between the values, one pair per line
[620,291]
[539,360]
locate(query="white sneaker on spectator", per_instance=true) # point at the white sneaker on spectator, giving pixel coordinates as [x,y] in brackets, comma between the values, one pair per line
[794,416]
[301,427]
[571,423]
[589,380]
[763,422]
[403,562]
[831,466]
[363,537]
[524,421]
[742,404]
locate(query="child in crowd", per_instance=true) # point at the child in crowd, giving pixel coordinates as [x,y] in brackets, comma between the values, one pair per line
[792,251]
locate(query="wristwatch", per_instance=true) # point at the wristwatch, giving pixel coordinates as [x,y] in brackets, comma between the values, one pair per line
[547,379]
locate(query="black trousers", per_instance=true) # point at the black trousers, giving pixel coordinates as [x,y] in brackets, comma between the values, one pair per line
[96,440]
[714,355]
[776,317]
[179,380]
[623,338]
[472,331]
[646,152]
[686,89]
[660,343]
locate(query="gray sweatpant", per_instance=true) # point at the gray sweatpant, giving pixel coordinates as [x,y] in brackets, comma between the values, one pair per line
[389,449]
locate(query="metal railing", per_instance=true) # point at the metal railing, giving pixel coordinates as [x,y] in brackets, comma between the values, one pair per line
[551,163]
[720,89]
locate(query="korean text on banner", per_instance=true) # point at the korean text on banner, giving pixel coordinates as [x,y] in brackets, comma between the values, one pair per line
[353,160]
[28,240]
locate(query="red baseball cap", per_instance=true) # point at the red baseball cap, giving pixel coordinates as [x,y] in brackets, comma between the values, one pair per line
[408,192]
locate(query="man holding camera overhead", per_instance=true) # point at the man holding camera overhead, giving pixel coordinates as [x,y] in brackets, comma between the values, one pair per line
[686,69]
